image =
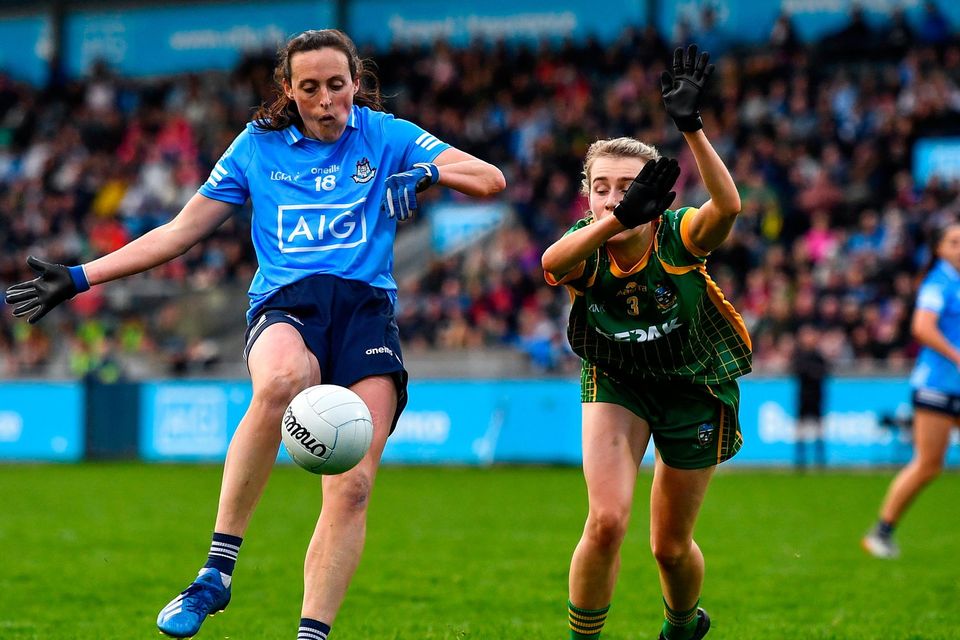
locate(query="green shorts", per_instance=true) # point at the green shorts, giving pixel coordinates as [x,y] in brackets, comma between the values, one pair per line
[694,426]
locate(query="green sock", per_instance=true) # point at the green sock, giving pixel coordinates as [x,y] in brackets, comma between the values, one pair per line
[679,625]
[586,624]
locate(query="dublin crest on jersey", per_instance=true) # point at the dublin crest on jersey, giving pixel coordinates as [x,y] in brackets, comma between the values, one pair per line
[364,172]
[665,296]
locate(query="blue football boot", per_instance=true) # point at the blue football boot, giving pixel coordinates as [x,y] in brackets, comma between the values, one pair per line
[204,597]
[703,625]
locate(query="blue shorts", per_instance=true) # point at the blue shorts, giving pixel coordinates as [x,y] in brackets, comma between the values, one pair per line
[936,400]
[348,325]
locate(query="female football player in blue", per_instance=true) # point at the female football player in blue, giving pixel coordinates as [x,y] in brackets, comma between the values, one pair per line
[936,388]
[329,175]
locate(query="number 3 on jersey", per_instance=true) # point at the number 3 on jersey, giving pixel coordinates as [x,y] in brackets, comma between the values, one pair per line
[326,183]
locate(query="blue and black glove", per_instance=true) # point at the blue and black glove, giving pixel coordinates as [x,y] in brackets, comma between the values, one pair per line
[683,91]
[56,283]
[649,194]
[400,197]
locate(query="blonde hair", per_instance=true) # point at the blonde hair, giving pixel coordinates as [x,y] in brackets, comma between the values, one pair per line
[615,148]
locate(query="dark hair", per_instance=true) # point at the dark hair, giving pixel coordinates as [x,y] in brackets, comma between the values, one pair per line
[934,238]
[282,112]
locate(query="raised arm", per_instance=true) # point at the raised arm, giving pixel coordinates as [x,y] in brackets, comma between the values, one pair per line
[682,92]
[56,283]
[710,227]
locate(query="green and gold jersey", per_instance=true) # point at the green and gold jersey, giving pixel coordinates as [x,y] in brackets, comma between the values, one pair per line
[662,318]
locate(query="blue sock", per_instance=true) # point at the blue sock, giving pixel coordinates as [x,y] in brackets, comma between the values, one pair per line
[311,629]
[884,529]
[223,553]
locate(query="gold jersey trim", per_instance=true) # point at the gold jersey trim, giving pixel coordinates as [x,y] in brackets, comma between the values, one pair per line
[688,242]
[726,309]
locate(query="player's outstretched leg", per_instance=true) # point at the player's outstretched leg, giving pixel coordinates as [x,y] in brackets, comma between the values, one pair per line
[703,625]
[204,597]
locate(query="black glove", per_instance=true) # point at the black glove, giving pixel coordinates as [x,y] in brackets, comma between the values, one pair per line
[683,90]
[649,195]
[55,284]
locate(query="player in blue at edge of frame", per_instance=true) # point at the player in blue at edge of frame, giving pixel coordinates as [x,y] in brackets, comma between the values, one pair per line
[662,350]
[936,387]
[329,175]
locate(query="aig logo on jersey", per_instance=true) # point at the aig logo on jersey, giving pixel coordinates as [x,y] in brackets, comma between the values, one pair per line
[321,227]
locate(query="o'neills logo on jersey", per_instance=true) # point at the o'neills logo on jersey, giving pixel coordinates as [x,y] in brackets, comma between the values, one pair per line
[320,227]
[654,332]
[364,172]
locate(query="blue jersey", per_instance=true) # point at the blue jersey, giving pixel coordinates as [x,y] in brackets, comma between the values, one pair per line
[316,205]
[940,293]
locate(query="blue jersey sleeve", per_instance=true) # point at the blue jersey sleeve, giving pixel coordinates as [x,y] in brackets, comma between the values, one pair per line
[228,179]
[416,144]
[930,297]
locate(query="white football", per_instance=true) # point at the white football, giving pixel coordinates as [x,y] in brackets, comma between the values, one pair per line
[326,429]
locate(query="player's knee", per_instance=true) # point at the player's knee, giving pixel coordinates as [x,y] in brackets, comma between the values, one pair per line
[607,527]
[928,470]
[669,553]
[281,385]
[350,492]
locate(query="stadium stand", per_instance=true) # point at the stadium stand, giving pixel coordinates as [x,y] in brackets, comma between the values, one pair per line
[819,136]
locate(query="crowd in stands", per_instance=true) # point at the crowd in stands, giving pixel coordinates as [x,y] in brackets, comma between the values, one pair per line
[819,138]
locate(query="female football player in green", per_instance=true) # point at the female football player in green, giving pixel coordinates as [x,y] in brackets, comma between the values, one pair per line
[661,352]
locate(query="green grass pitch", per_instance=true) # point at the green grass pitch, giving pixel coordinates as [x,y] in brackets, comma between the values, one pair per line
[95,550]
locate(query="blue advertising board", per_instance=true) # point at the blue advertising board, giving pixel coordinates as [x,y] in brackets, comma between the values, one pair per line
[25,48]
[480,422]
[936,158]
[41,421]
[190,420]
[382,22]
[539,422]
[184,38]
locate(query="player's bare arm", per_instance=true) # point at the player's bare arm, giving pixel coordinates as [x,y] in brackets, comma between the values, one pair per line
[924,328]
[198,219]
[569,252]
[469,175]
[710,227]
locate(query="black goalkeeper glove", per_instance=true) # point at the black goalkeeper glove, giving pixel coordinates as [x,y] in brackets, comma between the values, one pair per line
[56,283]
[649,195]
[683,91]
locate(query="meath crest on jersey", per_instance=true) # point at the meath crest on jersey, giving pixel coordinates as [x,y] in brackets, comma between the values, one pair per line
[364,172]
[705,434]
[665,296]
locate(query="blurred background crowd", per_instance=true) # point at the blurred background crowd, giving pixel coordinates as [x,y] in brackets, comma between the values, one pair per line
[819,137]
